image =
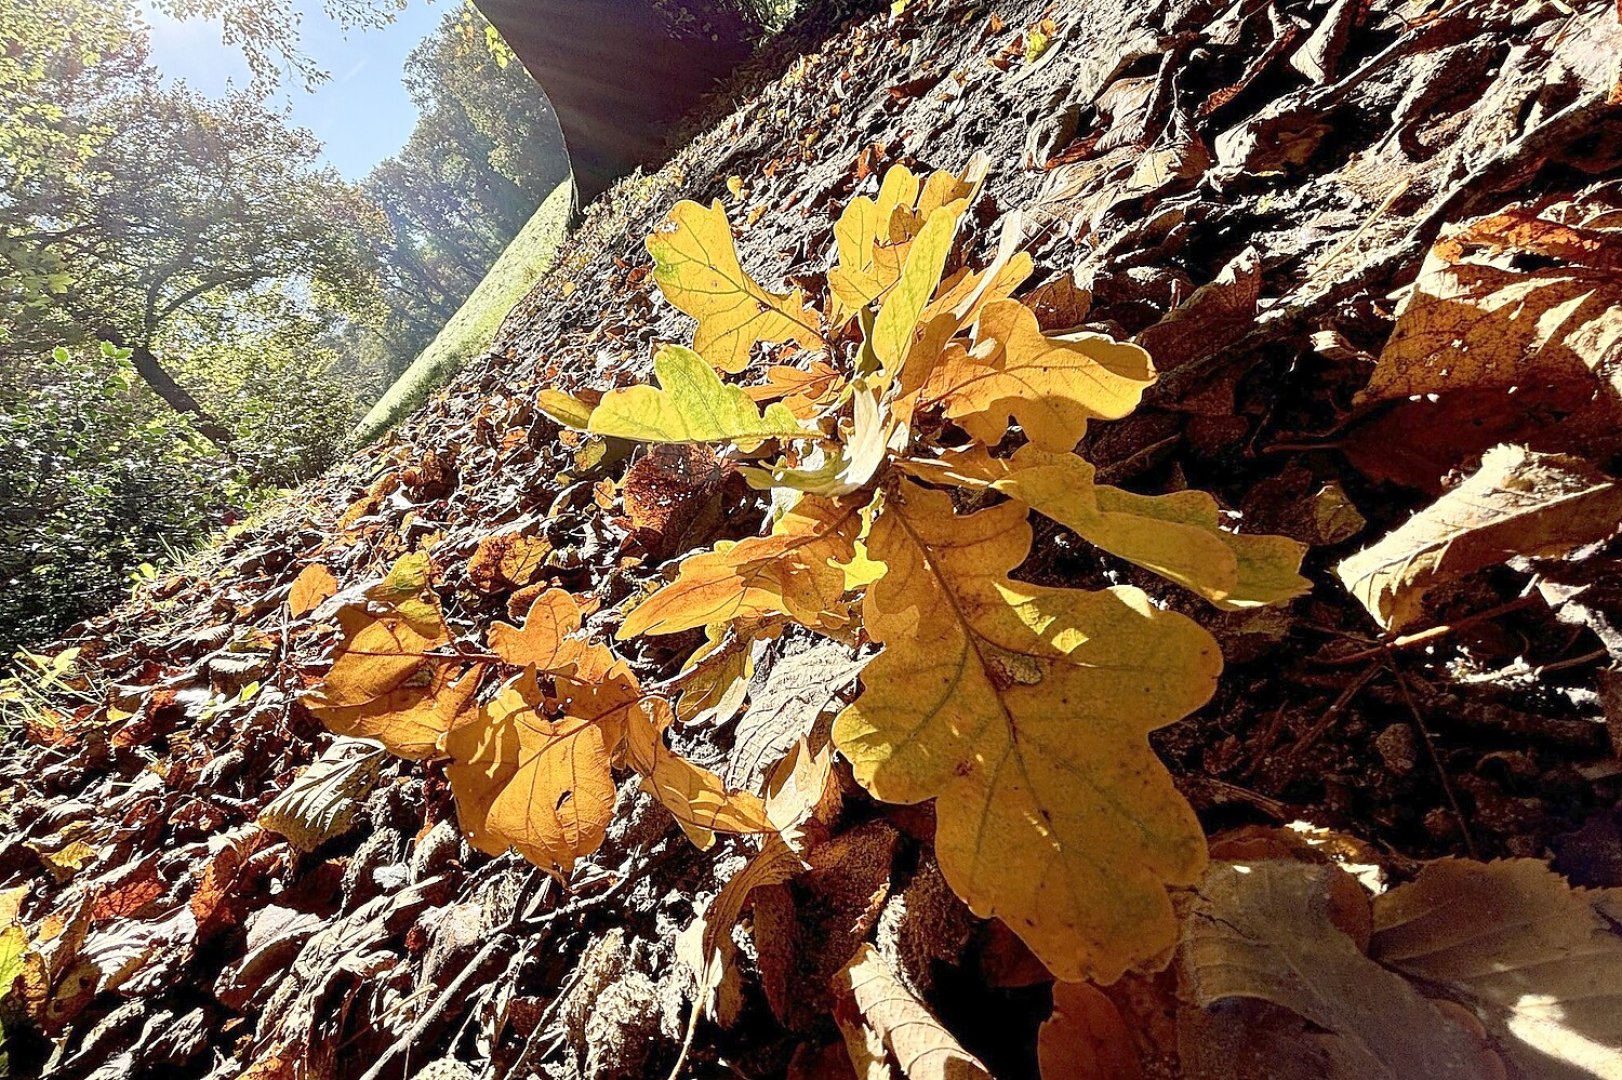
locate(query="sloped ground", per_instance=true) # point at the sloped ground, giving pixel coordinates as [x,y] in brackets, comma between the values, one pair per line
[469,331]
[1244,216]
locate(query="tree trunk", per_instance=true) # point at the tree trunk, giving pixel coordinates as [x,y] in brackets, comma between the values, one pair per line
[178,397]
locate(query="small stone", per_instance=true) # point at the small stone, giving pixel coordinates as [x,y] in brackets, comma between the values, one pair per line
[1398,748]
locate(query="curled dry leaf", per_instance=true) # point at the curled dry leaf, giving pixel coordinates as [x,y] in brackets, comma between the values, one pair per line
[697,268]
[1525,301]
[1026,711]
[1532,956]
[884,1025]
[1517,503]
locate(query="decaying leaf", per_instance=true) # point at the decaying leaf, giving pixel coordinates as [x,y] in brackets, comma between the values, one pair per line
[1177,536]
[797,689]
[323,801]
[1529,954]
[1085,1038]
[1512,332]
[1026,711]
[507,560]
[884,1023]
[691,404]
[1267,932]
[697,268]
[1517,503]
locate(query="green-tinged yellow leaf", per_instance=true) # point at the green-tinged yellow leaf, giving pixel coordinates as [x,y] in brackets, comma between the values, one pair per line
[697,268]
[1024,711]
[870,252]
[565,408]
[897,323]
[696,797]
[1178,536]
[691,404]
[861,451]
[794,571]
[1051,385]
[532,772]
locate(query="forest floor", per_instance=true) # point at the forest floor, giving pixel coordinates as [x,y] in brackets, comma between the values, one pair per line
[1255,194]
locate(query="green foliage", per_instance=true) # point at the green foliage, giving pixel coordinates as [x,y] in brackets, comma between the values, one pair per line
[94,474]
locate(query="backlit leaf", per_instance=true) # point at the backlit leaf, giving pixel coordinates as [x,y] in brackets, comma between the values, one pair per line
[533,772]
[1051,385]
[1177,536]
[697,268]
[695,796]
[794,571]
[691,404]
[1024,711]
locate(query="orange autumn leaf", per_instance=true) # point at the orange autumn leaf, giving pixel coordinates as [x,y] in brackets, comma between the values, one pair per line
[695,796]
[532,772]
[793,571]
[313,587]
[551,641]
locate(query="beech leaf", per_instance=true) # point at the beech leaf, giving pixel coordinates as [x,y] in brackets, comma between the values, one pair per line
[691,404]
[697,268]
[1025,712]
[1517,503]
[1534,958]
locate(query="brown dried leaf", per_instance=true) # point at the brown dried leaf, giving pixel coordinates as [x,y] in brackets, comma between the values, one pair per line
[881,1017]
[1517,503]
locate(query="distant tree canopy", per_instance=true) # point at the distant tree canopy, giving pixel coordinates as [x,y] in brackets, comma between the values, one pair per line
[192,308]
[486,150]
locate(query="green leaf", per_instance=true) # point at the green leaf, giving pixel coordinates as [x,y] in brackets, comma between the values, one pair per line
[691,404]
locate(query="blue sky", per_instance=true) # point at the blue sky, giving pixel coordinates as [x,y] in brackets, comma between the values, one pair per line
[361,114]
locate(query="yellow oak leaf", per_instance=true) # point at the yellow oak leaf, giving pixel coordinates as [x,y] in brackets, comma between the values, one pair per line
[903,306]
[1024,712]
[1051,385]
[870,253]
[795,571]
[696,797]
[697,268]
[550,641]
[691,404]
[802,391]
[567,409]
[532,773]
[1177,536]
[411,718]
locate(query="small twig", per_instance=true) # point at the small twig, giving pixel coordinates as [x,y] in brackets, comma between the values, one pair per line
[1317,730]
[1420,637]
[1571,662]
[1436,760]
